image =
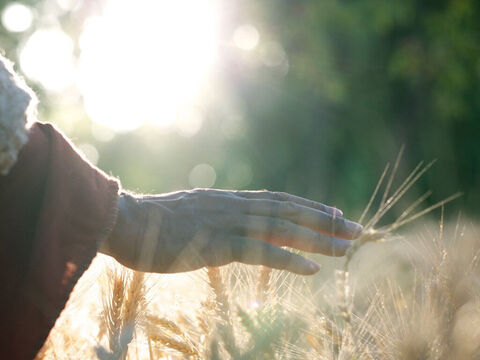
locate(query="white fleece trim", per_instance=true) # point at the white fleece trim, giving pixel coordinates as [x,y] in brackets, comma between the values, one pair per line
[17,111]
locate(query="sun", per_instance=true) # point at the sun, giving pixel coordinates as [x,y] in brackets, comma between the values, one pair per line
[144,61]
[138,62]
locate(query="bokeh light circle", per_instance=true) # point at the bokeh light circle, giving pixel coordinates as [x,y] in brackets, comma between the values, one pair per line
[145,61]
[17,17]
[202,176]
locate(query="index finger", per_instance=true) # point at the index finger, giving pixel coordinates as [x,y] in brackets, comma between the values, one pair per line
[305,216]
[282,196]
[259,252]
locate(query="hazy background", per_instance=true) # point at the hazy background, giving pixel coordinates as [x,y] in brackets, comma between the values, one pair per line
[308,97]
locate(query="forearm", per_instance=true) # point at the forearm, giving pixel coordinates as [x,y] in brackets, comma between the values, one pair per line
[130,223]
[55,209]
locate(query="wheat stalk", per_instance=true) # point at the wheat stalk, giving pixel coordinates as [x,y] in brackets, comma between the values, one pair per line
[112,308]
[168,341]
[221,298]
[132,306]
[371,234]
[163,323]
[263,285]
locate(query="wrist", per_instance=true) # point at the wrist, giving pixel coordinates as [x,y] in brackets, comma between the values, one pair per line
[125,228]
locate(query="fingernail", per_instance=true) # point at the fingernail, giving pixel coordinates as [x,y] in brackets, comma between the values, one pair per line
[341,245]
[313,266]
[355,228]
[339,212]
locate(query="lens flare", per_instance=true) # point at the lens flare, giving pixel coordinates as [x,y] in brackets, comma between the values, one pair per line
[47,57]
[145,61]
[17,17]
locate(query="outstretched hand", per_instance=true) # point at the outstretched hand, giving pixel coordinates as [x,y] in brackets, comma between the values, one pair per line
[187,230]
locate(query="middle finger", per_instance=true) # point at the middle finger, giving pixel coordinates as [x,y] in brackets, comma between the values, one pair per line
[304,216]
[281,232]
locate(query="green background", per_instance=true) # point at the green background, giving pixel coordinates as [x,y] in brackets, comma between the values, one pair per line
[364,77]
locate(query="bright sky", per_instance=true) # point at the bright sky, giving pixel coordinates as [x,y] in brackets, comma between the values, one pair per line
[144,61]
[141,61]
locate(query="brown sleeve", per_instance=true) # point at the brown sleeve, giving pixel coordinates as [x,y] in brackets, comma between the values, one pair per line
[55,208]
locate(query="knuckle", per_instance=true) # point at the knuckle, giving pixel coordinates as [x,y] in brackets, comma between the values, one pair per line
[198,191]
[282,226]
[278,195]
[289,206]
[237,193]
[283,195]
[181,202]
[339,223]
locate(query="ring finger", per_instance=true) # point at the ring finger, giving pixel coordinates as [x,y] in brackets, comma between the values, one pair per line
[281,232]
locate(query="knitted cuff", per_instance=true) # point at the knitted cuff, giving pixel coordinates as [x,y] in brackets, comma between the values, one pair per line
[17,107]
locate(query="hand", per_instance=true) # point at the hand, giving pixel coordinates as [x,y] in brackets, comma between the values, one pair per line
[187,230]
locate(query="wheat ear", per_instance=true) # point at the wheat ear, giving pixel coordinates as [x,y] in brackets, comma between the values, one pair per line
[168,341]
[223,309]
[163,323]
[112,308]
[132,306]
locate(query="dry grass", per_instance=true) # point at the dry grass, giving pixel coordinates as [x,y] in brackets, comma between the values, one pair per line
[417,297]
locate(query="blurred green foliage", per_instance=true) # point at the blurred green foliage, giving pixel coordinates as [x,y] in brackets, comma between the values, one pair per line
[364,77]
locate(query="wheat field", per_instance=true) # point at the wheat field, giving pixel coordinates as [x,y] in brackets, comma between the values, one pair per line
[395,295]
